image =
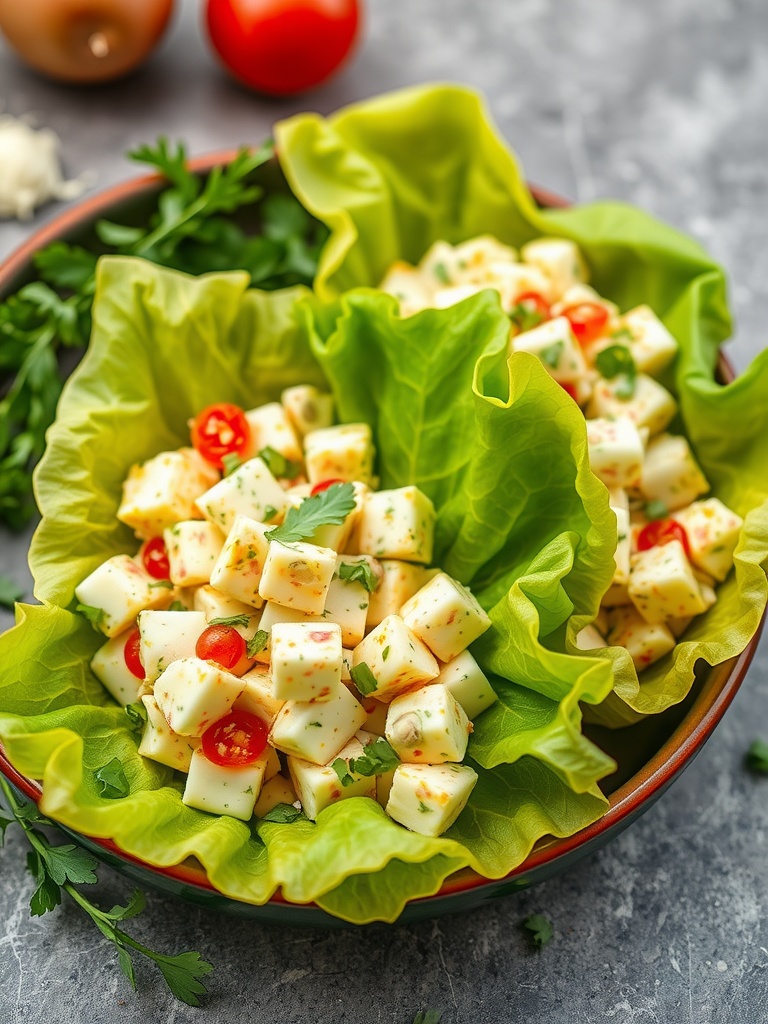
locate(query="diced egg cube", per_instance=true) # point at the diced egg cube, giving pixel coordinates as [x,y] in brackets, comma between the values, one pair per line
[439,266]
[615,451]
[398,524]
[278,790]
[513,280]
[407,284]
[215,604]
[250,491]
[347,600]
[307,408]
[271,427]
[467,683]
[384,787]
[222,789]
[258,696]
[662,585]
[713,533]
[317,731]
[238,570]
[121,589]
[346,664]
[399,581]
[193,547]
[305,661]
[650,406]
[560,259]
[428,798]
[298,575]
[475,257]
[620,508]
[397,659]
[274,613]
[652,346]
[318,786]
[376,722]
[589,639]
[670,472]
[159,743]
[165,637]
[192,694]
[162,491]
[427,726]
[446,616]
[109,667]
[340,453]
[557,349]
[645,642]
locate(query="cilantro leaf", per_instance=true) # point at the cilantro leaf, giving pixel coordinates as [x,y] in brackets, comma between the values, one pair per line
[377,759]
[113,782]
[359,572]
[541,929]
[329,507]
[757,757]
[363,678]
[232,620]
[278,465]
[617,361]
[283,814]
[9,592]
[342,769]
[94,615]
[257,643]
[177,606]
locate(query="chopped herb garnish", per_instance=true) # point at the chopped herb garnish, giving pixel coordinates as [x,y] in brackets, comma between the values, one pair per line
[243,620]
[540,928]
[269,513]
[622,335]
[341,768]
[177,606]
[428,1017]
[385,653]
[377,759]
[315,725]
[441,273]
[278,465]
[329,507]
[363,678]
[656,510]
[757,757]
[257,643]
[137,715]
[230,462]
[423,808]
[525,316]
[616,361]
[165,584]
[283,814]
[94,615]
[112,780]
[551,354]
[9,592]
[359,572]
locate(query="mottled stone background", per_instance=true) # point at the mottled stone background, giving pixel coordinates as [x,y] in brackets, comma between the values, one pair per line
[662,103]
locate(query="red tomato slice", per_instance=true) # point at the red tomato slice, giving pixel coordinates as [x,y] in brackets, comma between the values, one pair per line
[662,531]
[222,644]
[587,320]
[220,430]
[154,558]
[131,655]
[323,485]
[236,740]
[569,389]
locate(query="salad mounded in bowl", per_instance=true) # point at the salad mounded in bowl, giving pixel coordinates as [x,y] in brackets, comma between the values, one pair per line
[483,430]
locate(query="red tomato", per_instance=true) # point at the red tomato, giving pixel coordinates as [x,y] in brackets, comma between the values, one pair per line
[131,655]
[530,310]
[222,644]
[282,47]
[154,558]
[588,320]
[220,430]
[662,531]
[569,389]
[238,739]
[323,485]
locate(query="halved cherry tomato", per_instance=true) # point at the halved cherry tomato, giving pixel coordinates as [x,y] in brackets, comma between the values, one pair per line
[131,655]
[662,531]
[222,644]
[154,558]
[587,320]
[530,309]
[569,389]
[220,430]
[237,739]
[323,485]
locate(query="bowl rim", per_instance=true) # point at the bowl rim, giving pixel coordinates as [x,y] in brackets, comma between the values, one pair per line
[624,803]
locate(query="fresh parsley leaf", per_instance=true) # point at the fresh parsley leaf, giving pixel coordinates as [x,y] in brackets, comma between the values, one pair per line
[363,678]
[329,507]
[177,606]
[342,769]
[525,316]
[757,757]
[230,462]
[137,715]
[9,592]
[269,512]
[428,1017]
[552,353]
[69,267]
[283,814]
[47,894]
[377,759]
[617,361]
[94,615]
[257,643]
[4,823]
[232,620]
[182,975]
[359,572]
[278,465]
[164,584]
[655,510]
[441,273]
[113,782]
[540,928]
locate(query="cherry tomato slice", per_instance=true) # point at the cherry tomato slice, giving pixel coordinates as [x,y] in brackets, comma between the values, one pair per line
[154,558]
[236,740]
[323,485]
[569,389]
[222,644]
[662,531]
[531,309]
[587,320]
[220,430]
[131,655]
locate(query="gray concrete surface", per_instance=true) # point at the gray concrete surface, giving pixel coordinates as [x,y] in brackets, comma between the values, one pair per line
[662,103]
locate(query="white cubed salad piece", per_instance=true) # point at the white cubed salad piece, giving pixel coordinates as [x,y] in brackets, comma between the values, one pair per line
[475,258]
[250,491]
[165,637]
[376,722]
[428,798]
[407,284]
[396,659]
[652,346]
[650,406]
[271,427]
[589,639]
[298,576]
[340,453]
[444,298]
[615,451]
[670,473]
[513,280]
[557,349]
[221,789]
[662,584]
[238,569]
[121,589]
[258,696]
[317,731]
[713,533]
[399,582]
[274,613]
[348,599]
[333,535]
[162,491]
[193,547]
[307,408]
[466,681]
[192,694]
[306,661]
[215,604]
[622,555]
[277,790]
[645,642]
[559,259]
[579,294]
[318,786]
[439,266]
[446,616]
[398,524]
[159,742]
[109,667]
[427,726]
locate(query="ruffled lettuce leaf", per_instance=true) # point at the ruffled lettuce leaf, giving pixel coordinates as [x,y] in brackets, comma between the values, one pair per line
[392,175]
[163,346]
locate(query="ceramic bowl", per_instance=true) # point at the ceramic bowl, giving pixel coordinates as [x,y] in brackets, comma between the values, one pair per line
[650,755]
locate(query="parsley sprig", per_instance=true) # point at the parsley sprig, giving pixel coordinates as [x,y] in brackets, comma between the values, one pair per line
[328,508]
[540,928]
[59,869]
[377,759]
[359,572]
[616,361]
